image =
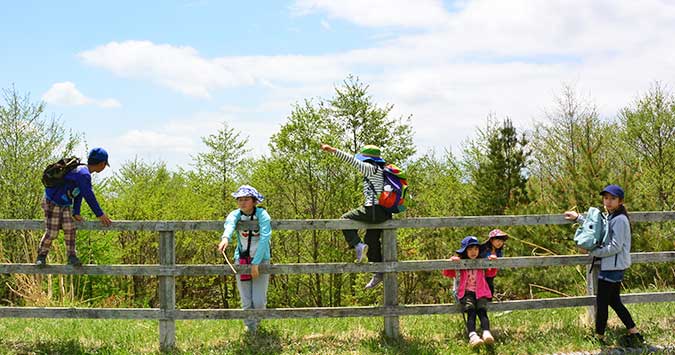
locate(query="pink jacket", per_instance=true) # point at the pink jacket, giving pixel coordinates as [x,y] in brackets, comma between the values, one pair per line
[482,288]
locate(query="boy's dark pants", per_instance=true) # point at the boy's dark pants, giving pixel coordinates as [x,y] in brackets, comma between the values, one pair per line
[368,214]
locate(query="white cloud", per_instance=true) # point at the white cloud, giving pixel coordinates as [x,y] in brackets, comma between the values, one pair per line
[179,68]
[176,141]
[378,13]
[506,57]
[65,93]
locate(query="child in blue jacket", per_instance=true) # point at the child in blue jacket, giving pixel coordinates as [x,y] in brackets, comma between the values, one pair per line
[253,247]
[58,201]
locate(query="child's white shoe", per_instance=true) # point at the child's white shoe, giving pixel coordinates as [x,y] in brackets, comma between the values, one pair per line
[474,340]
[488,338]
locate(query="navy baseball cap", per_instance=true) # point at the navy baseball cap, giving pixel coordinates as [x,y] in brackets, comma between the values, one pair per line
[467,242]
[615,190]
[98,155]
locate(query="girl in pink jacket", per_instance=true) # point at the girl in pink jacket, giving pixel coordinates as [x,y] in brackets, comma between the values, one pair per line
[473,291]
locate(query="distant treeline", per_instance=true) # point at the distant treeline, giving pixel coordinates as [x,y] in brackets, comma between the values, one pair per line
[563,161]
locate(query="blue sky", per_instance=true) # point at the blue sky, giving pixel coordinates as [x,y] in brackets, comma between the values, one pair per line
[148,79]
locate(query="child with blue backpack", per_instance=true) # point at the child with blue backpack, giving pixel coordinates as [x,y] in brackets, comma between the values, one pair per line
[615,258]
[492,249]
[371,165]
[472,291]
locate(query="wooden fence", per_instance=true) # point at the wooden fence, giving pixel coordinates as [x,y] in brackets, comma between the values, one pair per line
[168,270]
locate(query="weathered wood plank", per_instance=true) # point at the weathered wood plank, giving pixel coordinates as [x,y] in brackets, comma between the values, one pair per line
[92,313]
[410,310]
[276,313]
[591,289]
[336,224]
[332,268]
[167,291]
[390,254]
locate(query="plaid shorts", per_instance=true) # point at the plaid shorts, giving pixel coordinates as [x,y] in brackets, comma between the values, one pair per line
[57,218]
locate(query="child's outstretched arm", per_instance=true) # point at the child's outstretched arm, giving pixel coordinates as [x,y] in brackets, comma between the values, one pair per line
[452,272]
[364,168]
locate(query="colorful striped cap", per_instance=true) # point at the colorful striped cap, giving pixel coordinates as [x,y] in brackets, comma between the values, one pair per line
[370,152]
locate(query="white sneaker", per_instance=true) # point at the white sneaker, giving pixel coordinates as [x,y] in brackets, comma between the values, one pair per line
[475,340]
[361,251]
[488,338]
[377,278]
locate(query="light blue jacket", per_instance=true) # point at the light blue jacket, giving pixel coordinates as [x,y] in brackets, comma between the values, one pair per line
[615,253]
[262,252]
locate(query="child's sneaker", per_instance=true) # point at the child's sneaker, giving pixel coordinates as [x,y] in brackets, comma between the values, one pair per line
[361,250]
[375,280]
[74,260]
[600,339]
[41,260]
[474,340]
[635,340]
[488,338]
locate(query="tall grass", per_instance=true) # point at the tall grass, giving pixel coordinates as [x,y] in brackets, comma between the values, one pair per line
[517,332]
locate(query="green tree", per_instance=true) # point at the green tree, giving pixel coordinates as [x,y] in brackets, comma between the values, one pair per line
[29,141]
[649,132]
[573,155]
[364,122]
[497,163]
[217,167]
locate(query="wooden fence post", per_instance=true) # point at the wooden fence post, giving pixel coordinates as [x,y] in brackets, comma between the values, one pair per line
[591,289]
[167,292]
[391,324]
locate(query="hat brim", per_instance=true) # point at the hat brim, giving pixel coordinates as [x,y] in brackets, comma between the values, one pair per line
[257,196]
[609,192]
[364,158]
[503,236]
[463,249]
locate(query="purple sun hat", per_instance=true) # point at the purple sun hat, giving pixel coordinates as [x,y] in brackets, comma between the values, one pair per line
[247,190]
[467,242]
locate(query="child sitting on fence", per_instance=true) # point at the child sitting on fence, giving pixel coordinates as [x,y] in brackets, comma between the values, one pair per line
[371,165]
[492,249]
[253,247]
[473,292]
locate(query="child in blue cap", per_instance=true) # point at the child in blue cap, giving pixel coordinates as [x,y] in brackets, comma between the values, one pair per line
[57,204]
[473,292]
[614,260]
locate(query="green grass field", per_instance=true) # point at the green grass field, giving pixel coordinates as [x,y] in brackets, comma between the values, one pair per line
[518,332]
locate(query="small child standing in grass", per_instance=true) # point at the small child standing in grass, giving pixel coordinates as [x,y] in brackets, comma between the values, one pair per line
[492,249]
[473,292]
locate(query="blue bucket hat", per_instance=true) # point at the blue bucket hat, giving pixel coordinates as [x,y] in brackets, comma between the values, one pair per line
[370,152]
[467,242]
[615,190]
[246,190]
[97,155]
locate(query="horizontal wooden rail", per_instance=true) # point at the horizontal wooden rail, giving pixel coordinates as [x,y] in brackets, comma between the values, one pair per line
[168,270]
[335,224]
[324,268]
[316,312]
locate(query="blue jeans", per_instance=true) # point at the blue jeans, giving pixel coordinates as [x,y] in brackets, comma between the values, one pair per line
[253,294]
